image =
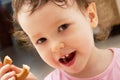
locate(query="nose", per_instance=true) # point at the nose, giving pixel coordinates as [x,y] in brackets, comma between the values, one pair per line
[57,47]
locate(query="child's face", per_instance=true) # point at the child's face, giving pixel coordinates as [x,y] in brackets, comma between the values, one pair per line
[62,36]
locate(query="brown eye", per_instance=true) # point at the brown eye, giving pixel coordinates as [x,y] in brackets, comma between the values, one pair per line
[63,27]
[41,40]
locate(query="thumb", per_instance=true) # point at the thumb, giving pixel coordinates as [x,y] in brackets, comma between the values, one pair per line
[16,69]
[0,64]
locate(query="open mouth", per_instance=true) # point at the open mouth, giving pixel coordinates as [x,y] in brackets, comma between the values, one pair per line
[67,58]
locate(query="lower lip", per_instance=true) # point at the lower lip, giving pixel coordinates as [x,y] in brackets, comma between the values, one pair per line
[71,62]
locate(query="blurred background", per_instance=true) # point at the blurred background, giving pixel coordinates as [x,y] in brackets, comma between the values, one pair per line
[29,56]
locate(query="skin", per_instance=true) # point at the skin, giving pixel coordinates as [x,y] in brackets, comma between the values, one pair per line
[5,75]
[52,40]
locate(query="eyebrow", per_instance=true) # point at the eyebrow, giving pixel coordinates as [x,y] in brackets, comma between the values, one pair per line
[36,35]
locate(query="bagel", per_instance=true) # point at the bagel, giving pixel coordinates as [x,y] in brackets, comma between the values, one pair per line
[24,72]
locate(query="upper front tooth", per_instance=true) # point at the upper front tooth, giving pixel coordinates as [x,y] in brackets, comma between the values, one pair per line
[67,55]
[63,57]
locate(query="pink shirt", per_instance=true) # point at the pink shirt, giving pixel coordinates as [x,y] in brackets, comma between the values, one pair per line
[111,73]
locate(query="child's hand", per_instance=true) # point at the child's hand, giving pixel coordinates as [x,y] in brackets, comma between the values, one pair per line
[18,70]
[6,73]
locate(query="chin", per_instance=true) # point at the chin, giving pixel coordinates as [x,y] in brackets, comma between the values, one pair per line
[74,71]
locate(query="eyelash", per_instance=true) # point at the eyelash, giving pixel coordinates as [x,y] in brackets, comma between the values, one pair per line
[63,27]
[41,40]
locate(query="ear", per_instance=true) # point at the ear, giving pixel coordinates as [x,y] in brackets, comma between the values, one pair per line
[92,15]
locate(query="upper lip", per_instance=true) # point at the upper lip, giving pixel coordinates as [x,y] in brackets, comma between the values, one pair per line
[63,56]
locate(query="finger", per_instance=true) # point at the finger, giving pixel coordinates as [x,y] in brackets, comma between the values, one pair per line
[4,69]
[8,75]
[0,64]
[16,69]
[12,78]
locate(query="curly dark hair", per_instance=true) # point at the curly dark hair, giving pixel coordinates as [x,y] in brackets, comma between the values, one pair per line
[34,4]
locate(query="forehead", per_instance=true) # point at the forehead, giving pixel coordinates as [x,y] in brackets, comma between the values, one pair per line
[47,8]
[43,16]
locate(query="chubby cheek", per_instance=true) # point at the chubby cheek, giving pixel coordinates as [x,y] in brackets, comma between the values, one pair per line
[47,57]
[85,45]
[83,42]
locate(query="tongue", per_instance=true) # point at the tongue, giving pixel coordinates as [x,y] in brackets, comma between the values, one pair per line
[67,59]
